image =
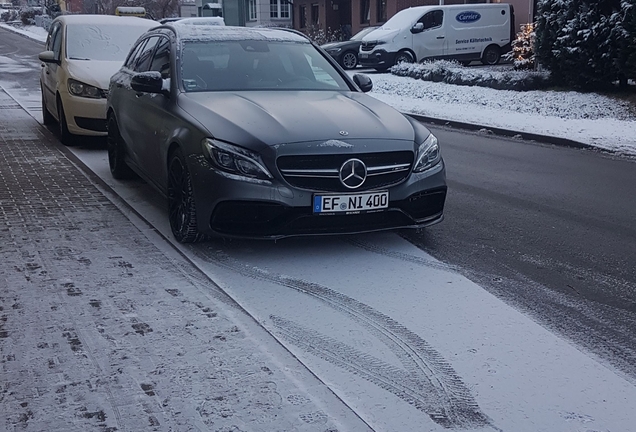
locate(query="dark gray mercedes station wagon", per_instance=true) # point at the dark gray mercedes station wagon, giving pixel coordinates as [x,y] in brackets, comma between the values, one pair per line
[255,132]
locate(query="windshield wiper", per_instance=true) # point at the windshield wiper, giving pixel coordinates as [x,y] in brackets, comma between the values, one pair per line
[78,58]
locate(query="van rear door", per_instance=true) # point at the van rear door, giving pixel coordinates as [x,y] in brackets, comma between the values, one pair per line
[431,41]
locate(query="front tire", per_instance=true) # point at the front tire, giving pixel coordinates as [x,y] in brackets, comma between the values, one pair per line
[66,137]
[116,152]
[404,57]
[181,204]
[47,117]
[349,60]
[491,56]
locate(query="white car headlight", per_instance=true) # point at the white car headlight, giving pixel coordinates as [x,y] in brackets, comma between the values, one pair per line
[80,89]
[235,160]
[428,154]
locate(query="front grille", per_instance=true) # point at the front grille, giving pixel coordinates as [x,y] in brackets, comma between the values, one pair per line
[368,46]
[322,172]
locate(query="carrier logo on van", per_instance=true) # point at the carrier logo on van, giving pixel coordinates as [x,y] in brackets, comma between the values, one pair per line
[468,17]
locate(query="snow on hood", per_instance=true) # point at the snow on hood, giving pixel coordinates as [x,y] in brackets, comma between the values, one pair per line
[380,34]
[93,72]
[283,117]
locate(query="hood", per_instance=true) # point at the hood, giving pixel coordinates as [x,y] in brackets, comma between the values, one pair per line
[95,73]
[272,118]
[381,34]
[343,44]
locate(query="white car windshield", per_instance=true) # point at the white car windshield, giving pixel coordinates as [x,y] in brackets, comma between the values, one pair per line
[104,42]
[256,65]
[400,20]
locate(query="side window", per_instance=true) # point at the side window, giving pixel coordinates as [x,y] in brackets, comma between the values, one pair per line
[432,19]
[56,43]
[161,60]
[52,33]
[134,54]
[143,61]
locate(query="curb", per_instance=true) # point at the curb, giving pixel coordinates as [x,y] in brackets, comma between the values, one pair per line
[527,136]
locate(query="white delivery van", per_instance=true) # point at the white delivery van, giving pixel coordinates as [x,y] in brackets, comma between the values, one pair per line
[461,32]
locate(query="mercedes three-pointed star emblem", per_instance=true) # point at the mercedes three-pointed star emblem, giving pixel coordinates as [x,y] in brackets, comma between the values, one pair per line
[353,173]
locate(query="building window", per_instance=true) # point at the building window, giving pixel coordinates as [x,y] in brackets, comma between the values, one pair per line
[302,11]
[381,11]
[278,9]
[365,11]
[251,10]
[315,14]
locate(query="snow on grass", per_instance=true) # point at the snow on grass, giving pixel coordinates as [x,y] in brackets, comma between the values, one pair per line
[31,31]
[589,118]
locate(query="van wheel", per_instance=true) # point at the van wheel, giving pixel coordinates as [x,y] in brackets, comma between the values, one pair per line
[491,56]
[349,60]
[404,57]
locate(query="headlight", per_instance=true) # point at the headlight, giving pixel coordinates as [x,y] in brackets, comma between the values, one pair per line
[235,160]
[428,154]
[77,88]
[334,50]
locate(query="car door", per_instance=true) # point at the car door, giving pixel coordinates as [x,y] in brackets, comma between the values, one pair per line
[431,42]
[155,118]
[129,112]
[49,75]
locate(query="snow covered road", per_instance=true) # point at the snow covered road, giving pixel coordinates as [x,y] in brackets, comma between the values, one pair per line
[403,339]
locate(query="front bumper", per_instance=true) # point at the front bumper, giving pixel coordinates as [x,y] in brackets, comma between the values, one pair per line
[84,116]
[379,59]
[234,208]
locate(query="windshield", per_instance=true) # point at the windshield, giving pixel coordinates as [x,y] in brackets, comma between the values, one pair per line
[256,65]
[362,33]
[400,20]
[108,42]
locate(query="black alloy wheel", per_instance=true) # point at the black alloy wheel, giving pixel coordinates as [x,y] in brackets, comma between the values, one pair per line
[181,206]
[404,57]
[47,117]
[491,56]
[349,60]
[65,136]
[116,152]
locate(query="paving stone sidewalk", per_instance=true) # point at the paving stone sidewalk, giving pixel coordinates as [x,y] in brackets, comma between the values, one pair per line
[102,330]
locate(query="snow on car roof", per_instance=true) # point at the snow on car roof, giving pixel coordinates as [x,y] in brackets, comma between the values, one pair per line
[106,19]
[222,33]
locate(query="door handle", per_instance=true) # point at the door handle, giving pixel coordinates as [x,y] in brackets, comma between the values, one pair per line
[440,37]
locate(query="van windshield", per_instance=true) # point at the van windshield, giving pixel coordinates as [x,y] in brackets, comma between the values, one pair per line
[405,18]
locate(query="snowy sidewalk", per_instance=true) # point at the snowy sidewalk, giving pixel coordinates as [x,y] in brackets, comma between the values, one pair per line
[102,329]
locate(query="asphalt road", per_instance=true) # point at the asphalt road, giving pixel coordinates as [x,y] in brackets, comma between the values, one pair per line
[550,230]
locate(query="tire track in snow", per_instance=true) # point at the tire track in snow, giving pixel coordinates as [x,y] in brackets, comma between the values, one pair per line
[418,357]
[417,392]
[398,255]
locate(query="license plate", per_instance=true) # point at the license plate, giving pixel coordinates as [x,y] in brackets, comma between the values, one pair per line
[351,203]
[363,56]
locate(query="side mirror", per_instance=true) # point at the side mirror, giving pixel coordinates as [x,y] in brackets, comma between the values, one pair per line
[48,57]
[148,82]
[417,28]
[363,81]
